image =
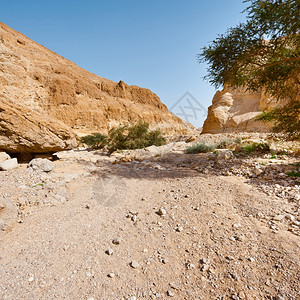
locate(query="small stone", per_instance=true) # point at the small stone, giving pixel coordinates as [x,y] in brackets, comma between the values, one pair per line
[229,257]
[111,275]
[134,264]
[236,225]
[242,295]
[251,259]
[161,212]
[173,286]
[203,261]
[116,241]
[179,229]
[290,217]
[109,251]
[278,218]
[30,279]
[134,213]
[133,218]
[88,274]
[170,293]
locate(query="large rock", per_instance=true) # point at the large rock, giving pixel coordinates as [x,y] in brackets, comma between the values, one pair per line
[8,164]
[236,111]
[8,214]
[41,164]
[4,156]
[45,99]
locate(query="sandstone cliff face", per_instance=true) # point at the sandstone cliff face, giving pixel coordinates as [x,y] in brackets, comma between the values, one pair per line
[236,111]
[46,99]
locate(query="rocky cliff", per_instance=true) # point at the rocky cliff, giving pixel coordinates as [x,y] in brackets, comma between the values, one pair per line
[46,99]
[236,111]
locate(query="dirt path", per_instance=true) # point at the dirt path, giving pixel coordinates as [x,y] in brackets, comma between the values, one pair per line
[212,243]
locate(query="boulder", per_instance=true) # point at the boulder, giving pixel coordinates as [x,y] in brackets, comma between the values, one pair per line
[8,214]
[4,156]
[41,164]
[224,154]
[9,164]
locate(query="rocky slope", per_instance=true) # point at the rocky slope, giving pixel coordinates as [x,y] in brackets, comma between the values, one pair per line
[45,99]
[236,111]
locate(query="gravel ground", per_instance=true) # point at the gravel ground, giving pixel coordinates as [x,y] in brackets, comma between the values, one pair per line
[147,230]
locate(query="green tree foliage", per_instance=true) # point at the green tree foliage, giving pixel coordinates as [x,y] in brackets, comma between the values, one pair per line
[133,137]
[136,136]
[95,140]
[263,52]
[285,118]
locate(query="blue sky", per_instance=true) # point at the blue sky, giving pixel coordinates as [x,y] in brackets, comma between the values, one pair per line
[152,44]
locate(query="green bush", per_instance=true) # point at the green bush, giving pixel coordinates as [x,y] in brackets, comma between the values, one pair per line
[294,174]
[200,148]
[94,140]
[125,137]
[256,147]
[135,136]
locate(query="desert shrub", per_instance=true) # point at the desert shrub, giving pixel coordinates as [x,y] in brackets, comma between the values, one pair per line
[294,174]
[135,136]
[94,140]
[256,147]
[200,148]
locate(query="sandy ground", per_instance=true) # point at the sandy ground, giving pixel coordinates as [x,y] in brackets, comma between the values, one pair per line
[213,240]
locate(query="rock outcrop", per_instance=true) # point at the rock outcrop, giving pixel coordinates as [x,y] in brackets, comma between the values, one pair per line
[236,111]
[46,99]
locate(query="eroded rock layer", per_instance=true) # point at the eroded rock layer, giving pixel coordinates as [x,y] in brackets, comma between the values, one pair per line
[46,99]
[236,111]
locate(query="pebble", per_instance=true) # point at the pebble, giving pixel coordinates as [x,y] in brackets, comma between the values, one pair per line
[30,279]
[111,275]
[229,257]
[161,212]
[134,264]
[179,229]
[290,217]
[236,225]
[170,293]
[109,251]
[278,217]
[116,241]
[203,261]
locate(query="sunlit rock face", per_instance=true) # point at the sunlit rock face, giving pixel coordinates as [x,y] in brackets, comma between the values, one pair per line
[236,111]
[45,99]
